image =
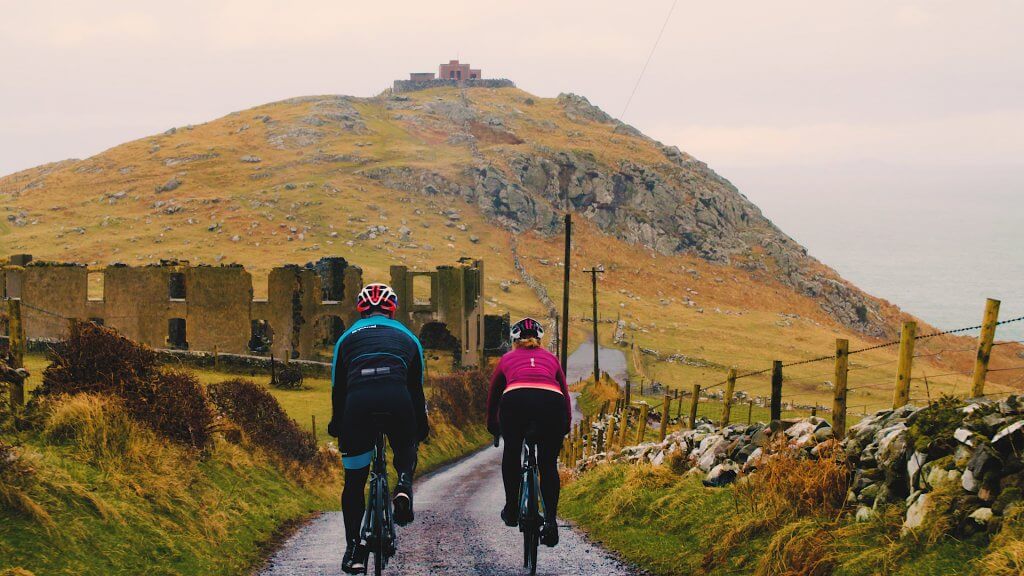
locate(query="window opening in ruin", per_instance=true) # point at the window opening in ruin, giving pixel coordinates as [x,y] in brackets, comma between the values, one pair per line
[261,337]
[326,333]
[177,286]
[422,290]
[176,334]
[94,286]
[435,336]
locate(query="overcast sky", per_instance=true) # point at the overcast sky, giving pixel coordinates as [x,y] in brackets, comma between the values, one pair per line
[786,98]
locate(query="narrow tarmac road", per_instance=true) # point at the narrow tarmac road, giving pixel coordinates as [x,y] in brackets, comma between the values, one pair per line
[457,531]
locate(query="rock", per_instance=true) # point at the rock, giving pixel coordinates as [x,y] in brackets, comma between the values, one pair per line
[914,464]
[474,239]
[981,515]
[917,512]
[250,159]
[170,185]
[963,435]
[1007,431]
[968,482]
[721,474]
[864,514]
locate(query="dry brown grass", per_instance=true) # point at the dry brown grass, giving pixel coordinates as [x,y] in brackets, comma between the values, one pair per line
[787,485]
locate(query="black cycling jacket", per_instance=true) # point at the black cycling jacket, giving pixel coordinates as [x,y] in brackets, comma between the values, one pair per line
[377,351]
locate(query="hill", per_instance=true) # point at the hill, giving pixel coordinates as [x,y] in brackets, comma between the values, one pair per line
[426,177]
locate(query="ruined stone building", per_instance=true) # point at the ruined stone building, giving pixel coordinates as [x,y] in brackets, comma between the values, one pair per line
[205,308]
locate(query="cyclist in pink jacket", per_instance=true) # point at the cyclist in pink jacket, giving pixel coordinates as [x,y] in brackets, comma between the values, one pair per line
[528,387]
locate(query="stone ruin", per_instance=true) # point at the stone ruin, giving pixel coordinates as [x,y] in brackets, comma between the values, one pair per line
[177,305]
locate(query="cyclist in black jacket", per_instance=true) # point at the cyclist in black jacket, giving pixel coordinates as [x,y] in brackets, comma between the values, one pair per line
[378,368]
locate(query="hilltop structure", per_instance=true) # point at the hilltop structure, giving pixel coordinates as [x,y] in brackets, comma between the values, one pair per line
[177,305]
[454,73]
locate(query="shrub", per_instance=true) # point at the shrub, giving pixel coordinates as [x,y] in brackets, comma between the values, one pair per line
[253,409]
[460,398]
[174,405]
[97,360]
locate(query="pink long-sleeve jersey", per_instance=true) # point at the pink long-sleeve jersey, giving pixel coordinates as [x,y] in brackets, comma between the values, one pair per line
[526,368]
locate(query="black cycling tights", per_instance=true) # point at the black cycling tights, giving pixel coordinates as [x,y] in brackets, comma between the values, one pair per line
[546,409]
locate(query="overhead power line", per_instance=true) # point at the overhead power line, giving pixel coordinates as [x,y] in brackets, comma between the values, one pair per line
[648,61]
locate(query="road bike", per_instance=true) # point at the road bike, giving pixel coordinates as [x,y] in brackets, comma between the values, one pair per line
[378,527]
[531,505]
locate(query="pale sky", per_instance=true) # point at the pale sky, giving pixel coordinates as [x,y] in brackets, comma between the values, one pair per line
[762,91]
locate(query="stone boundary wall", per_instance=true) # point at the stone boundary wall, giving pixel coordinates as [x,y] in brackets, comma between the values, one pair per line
[414,85]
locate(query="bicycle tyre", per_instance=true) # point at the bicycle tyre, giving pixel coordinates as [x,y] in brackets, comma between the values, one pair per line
[378,554]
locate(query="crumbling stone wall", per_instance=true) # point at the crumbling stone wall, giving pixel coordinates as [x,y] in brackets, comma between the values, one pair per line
[456,301]
[414,85]
[148,303]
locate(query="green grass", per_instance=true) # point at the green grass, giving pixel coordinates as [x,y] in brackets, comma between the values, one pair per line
[173,512]
[673,525]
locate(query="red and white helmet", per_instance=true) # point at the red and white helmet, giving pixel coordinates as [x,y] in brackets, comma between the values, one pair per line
[526,328]
[377,297]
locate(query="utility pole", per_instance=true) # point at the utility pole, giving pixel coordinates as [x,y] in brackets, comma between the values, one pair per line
[565,294]
[597,347]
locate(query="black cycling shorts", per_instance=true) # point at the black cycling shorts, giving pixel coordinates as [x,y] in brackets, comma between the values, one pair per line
[359,425]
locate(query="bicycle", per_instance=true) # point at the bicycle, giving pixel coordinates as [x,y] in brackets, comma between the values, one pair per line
[378,526]
[531,505]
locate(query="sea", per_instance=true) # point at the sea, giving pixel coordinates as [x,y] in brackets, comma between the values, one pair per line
[934,241]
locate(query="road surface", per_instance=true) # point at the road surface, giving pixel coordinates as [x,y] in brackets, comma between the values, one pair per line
[457,528]
[457,531]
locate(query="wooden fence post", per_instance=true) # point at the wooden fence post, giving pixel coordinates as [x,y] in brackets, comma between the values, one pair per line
[679,406]
[839,395]
[628,386]
[730,388]
[623,426]
[664,417]
[693,406]
[901,396]
[313,418]
[750,411]
[17,345]
[641,426]
[776,405]
[612,428]
[988,334]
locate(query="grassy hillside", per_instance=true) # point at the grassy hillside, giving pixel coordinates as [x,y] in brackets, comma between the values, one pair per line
[288,182]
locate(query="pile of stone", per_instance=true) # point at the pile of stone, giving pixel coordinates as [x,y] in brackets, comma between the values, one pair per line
[962,461]
[963,458]
[721,453]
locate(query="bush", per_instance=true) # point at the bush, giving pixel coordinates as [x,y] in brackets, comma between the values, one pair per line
[787,485]
[253,409]
[460,398]
[174,405]
[94,359]
[99,425]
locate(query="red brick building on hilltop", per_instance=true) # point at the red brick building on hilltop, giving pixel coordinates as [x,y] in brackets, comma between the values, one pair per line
[453,70]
